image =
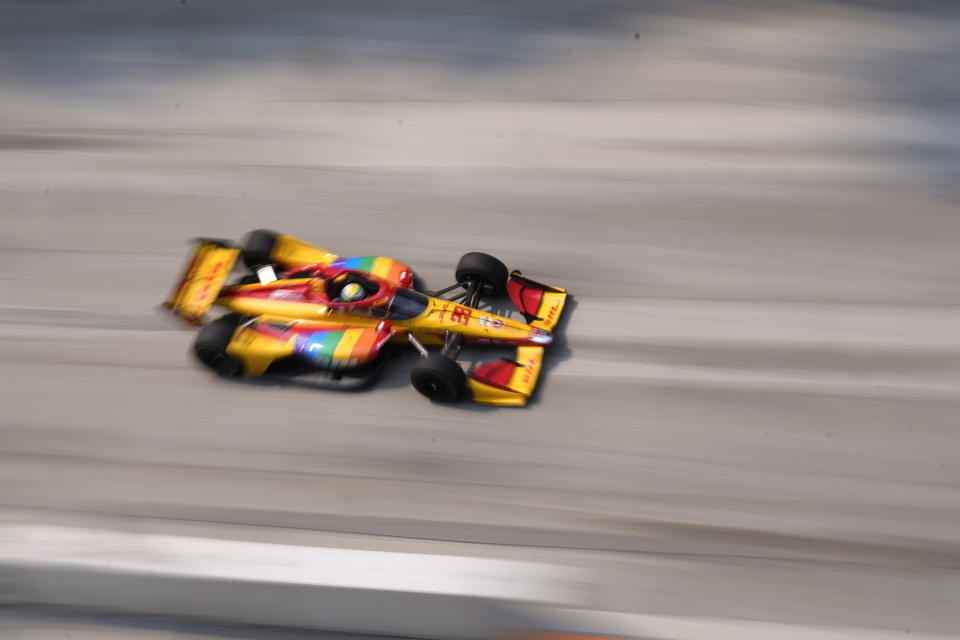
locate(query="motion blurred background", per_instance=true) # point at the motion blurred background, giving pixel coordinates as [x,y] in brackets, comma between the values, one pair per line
[753,411]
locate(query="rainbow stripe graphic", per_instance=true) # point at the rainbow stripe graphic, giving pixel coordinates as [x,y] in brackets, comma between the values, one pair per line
[337,349]
[385,268]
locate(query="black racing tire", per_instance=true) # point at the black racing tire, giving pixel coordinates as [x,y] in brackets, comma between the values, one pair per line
[211,345]
[439,378]
[258,247]
[490,272]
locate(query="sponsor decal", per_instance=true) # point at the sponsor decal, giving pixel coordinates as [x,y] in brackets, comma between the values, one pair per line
[208,281]
[493,323]
[552,313]
[460,315]
[528,370]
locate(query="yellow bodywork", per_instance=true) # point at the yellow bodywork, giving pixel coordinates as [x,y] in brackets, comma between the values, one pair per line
[201,282]
[439,317]
[550,309]
[522,381]
[255,351]
[551,306]
[293,252]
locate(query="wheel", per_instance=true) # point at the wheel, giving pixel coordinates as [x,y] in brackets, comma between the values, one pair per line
[257,248]
[490,272]
[211,345]
[439,378]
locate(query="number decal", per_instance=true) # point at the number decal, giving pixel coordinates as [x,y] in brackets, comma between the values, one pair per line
[460,315]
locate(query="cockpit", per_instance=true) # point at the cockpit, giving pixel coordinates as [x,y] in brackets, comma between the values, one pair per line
[361,293]
[351,286]
[406,304]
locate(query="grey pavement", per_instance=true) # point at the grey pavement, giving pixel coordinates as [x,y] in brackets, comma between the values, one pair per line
[753,410]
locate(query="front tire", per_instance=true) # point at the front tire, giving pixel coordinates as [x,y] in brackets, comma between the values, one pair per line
[487,270]
[211,345]
[439,378]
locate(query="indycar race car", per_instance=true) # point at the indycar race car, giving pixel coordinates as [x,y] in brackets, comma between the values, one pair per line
[306,312]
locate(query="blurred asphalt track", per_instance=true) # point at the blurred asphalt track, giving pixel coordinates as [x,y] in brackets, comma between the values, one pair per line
[755,411]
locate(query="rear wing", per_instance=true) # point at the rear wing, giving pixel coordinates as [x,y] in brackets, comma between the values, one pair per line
[198,288]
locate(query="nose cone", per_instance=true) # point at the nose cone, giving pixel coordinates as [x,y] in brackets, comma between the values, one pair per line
[540,336]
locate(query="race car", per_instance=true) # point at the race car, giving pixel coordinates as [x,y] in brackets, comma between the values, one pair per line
[306,313]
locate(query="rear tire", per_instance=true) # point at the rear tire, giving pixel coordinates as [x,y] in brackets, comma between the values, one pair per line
[490,272]
[258,247]
[439,378]
[211,345]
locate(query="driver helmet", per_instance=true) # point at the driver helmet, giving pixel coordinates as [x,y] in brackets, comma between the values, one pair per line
[351,292]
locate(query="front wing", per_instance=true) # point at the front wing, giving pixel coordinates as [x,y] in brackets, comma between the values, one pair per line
[510,383]
[507,383]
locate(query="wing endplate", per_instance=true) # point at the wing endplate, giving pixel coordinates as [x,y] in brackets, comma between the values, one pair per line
[202,280]
[540,304]
[507,383]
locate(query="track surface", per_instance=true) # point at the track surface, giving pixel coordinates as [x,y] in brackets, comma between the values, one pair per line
[755,411]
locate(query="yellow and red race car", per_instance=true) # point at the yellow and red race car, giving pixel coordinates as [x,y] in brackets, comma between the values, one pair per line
[304,311]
